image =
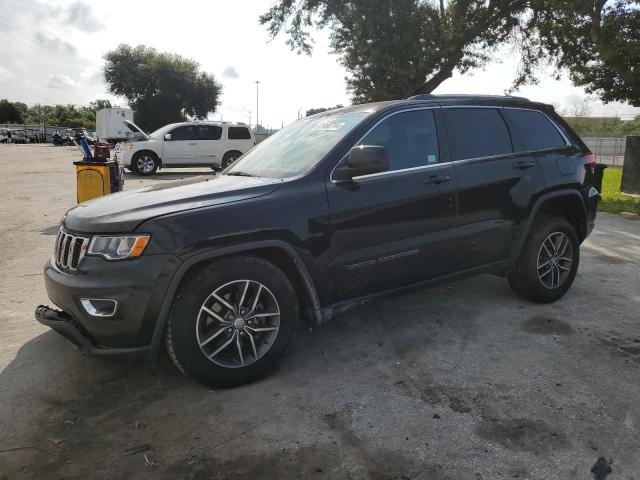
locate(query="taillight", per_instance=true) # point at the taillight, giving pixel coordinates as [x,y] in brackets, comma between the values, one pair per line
[591,161]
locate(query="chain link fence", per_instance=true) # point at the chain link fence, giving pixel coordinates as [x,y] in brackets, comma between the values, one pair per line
[32,133]
[609,151]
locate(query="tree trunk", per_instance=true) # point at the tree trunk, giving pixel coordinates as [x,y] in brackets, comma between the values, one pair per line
[430,85]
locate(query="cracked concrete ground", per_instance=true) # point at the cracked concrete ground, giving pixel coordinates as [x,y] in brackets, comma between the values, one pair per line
[464,381]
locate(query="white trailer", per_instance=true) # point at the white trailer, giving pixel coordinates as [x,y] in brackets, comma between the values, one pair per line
[110,125]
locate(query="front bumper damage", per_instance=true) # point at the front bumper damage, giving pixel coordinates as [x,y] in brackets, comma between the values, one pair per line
[74,332]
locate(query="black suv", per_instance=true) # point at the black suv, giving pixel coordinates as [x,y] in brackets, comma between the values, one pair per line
[336,209]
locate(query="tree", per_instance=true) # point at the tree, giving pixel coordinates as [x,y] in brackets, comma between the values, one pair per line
[160,87]
[596,41]
[313,111]
[99,104]
[9,113]
[398,48]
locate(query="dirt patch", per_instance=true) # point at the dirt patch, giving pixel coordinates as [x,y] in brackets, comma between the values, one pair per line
[523,434]
[601,257]
[376,464]
[435,394]
[547,326]
[624,346]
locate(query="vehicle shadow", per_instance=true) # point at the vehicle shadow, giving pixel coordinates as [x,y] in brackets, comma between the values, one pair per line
[439,372]
[83,416]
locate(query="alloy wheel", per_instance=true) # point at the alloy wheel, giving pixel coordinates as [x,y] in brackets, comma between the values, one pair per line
[238,323]
[145,163]
[555,258]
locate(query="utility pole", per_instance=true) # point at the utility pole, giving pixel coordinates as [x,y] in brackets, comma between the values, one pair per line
[257,97]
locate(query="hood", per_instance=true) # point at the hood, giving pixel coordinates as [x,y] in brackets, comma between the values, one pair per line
[135,128]
[122,212]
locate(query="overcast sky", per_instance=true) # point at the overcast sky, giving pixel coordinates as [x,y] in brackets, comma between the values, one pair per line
[52,53]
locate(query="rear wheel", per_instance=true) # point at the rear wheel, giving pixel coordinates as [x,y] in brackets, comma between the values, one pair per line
[231,321]
[229,158]
[144,163]
[548,262]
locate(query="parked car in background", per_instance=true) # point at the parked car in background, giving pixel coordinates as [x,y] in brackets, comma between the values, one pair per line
[188,144]
[340,208]
[4,135]
[18,136]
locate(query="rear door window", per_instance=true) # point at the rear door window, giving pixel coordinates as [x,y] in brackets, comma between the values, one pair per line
[476,133]
[239,133]
[535,129]
[410,138]
[182,133]
[209,132]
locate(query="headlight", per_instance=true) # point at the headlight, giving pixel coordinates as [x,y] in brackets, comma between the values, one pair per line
[118,247]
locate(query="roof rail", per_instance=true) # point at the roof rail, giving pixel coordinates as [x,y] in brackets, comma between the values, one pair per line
[430,96]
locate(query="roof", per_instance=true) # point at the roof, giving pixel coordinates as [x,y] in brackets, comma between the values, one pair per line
[466,97]
[449,99]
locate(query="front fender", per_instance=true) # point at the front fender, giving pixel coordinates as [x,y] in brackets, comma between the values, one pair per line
[212,254]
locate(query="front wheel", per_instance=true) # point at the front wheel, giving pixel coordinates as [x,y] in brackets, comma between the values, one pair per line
[144,163]
[231,321]
[548,262]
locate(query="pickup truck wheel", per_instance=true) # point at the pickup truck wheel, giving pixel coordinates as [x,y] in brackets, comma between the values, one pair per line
[229,158]
[548,262]
[144,163]
[231,321]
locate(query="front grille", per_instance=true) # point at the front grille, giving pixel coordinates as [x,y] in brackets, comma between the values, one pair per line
[69,250]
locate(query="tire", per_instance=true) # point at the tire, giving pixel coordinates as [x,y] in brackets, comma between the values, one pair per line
[141,163]
[229,158]
[543,274]
[195,339]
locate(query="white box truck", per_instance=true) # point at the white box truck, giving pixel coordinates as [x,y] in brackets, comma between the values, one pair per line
[110,125]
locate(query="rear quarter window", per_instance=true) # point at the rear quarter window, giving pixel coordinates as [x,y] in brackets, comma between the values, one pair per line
[476,133]
[239,133]
[535,129]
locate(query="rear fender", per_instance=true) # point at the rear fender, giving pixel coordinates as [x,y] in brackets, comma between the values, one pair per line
[538,205]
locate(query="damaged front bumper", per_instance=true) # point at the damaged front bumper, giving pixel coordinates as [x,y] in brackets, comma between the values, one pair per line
[72,330]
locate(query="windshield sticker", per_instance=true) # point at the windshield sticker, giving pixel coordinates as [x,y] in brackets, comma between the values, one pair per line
[329,126]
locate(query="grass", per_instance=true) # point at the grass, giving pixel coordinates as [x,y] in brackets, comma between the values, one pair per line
[612,200]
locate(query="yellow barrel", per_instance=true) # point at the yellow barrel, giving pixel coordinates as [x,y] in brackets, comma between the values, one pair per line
[93,179]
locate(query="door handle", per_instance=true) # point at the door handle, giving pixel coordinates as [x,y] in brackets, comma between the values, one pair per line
[436,179]
[192,143]
[523,164]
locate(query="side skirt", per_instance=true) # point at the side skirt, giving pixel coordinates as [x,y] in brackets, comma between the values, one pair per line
[326,313]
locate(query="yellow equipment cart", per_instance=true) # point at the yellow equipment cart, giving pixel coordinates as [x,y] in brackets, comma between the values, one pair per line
[94,178]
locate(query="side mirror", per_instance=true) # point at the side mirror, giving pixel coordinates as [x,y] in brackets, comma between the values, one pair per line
[363,160]
[167,137]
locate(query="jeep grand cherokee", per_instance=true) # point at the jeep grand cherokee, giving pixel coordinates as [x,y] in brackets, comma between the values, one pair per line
[339,208]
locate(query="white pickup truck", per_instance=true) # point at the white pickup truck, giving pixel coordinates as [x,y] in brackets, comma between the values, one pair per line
[188,144]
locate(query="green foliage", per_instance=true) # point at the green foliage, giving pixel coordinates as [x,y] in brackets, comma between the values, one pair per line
[397,48]
[596,41]
[161,88]
[9,113]
[313,111]
[62,115]
[612,200]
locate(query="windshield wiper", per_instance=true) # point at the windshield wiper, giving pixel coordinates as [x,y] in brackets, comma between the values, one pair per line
[242,174]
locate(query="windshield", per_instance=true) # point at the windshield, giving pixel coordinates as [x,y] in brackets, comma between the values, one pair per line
[298,147]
